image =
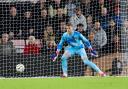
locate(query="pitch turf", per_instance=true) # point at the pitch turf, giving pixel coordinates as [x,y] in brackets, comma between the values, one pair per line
[66,83]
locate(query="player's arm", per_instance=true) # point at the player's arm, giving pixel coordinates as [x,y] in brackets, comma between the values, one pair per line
[87,43]
[59,47]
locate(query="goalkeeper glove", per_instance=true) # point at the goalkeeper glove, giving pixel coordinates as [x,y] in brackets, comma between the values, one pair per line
[93,52]
[55,56]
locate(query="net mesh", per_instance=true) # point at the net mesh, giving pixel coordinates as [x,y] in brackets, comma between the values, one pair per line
[31,29]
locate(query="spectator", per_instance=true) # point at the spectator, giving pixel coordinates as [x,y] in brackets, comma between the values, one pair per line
[63,3]
[104,18]
[48,41]
[38,6]
[70,6]
[42,3]
[90,25]
[48,49]
[6,46]
[31,32]
[7,56]
[59,17]
[117,18]
[111,32]
[31,48]
[51,3]
[20,35]
[126,24]
[124,36]
[42,22]
[116,67]
[78,18]
[62,26]
[51,6]
[27,23]
[60,31]
[85,5]
[57,2]
[100,38]
[80,28]
[110,5]
[117,42]
[91,36]
[124,42]
[11,36]
[95,8]
[97,5]
[11,22]
[49,37]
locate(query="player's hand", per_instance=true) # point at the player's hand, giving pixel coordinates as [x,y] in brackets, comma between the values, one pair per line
[90,49]
[94,53]
[57,52]
[55,56]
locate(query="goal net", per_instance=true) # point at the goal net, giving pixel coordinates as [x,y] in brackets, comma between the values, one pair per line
[31,29]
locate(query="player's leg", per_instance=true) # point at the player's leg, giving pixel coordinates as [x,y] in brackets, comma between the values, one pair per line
[87,62]
[68,52]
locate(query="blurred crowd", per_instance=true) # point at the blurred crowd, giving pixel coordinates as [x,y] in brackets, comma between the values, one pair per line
[40,25]
[98,20]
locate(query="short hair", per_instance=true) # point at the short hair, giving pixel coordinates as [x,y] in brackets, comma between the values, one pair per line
[43,9]
[49,25]
[78,9]
[97,21]
[58,8]
[68,24]
[4,34]
[62,21]
[104,8]
[32,38]
[13,5]
[80,24]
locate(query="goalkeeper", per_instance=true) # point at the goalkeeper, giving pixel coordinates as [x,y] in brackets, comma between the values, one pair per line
[75,41]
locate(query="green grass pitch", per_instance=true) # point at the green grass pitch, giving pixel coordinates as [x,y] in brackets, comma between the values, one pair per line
[65,83]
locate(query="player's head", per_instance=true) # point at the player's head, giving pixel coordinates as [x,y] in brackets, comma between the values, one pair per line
[69,28]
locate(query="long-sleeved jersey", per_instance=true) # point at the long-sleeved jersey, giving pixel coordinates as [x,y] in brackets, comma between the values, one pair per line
[75,39]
